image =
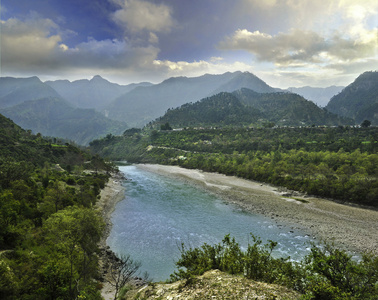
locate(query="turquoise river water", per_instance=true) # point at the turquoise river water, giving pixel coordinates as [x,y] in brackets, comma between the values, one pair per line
[159,213]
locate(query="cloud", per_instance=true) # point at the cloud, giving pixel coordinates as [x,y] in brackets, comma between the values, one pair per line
[153,38]
[301,47]
[356,67]
[35,45]
[320,15]
[109,54]
[296,46]
[139,15]
[216,58]
[197,68]
[143,40]
[28,42]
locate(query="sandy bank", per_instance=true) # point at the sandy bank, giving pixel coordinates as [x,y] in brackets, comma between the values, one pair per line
[109,197]
[352,228]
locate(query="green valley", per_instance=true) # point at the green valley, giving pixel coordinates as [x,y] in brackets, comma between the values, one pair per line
[338,163]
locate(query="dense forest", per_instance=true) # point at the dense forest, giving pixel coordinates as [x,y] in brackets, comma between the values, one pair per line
[49,230]
[246,107]
[338,163]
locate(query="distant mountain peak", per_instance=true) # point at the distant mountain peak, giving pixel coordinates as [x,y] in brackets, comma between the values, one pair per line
[174,79]
[98,78]
[33,79]
[318,95]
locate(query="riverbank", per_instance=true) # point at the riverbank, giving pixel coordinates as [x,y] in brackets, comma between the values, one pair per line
[351,228]
[110,195]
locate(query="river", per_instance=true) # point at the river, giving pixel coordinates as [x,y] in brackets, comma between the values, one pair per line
[159,213]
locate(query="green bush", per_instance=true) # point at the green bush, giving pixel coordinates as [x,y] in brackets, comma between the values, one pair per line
[327,273]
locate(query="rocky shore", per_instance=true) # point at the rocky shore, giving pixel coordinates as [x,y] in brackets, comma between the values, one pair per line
[109,197]
[351,228]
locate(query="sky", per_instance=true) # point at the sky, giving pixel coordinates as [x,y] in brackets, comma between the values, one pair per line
[286,43]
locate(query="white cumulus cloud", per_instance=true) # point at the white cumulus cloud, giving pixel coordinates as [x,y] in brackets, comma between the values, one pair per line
[35,46]
[139,15]
[298,46]
[29,42]
[197,68]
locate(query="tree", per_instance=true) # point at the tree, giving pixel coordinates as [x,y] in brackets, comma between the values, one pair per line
[154,135]
[55,196]
[74,233]
[166,126]
[8,280]
[9,218]
[11,170]
[122,270]
[365,123]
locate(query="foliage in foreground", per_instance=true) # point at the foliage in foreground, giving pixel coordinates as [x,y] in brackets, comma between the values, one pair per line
[325,273]
[49,229]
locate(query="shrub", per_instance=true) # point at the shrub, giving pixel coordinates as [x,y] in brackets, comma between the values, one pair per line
[327,273]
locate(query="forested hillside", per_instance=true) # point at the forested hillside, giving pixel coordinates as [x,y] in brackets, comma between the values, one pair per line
[338,163]
[287,109]
[223,109]
[56,117]
[358,100]
[245,107]
[48,228]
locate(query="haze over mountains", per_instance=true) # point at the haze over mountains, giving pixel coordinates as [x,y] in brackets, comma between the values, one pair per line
[35,105]
[96,93]
[83,110]
[144,104]
[14,91]
[319,96]
[57,118]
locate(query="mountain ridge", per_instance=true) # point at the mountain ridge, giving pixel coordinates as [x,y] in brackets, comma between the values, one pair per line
[358,100]
[144,104]
[56,117]
[95,93]
[246,107]
[14,91]
[141,103]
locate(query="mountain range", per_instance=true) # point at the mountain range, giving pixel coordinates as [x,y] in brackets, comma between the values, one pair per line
[14,91]
[86,109]
[96,93]
[144,104]
[35,105]
[56,117]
